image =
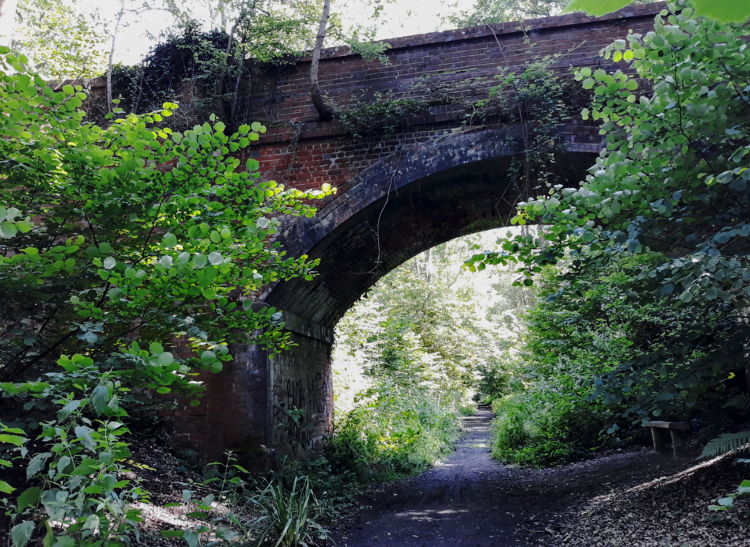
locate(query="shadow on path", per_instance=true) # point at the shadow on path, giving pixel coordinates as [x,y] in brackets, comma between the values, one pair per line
[452,504]
[472,501]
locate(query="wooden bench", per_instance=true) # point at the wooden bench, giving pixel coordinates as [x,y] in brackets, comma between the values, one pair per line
[675,428]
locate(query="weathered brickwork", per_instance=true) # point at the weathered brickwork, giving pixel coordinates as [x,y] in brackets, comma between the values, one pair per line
[398,194]
[299,151]
[300,378]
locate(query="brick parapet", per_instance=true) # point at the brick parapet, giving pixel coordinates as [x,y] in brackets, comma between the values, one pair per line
[502,29]
[444,58]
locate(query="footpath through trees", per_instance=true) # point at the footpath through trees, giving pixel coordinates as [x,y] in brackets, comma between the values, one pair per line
[635,497]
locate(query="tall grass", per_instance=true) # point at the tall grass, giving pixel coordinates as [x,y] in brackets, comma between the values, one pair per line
[290,514]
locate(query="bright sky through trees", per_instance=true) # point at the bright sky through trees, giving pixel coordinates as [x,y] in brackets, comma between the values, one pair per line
[401,18]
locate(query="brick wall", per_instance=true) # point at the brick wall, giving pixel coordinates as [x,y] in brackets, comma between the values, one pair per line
[300,378]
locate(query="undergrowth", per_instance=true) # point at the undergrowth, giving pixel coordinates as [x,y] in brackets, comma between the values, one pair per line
[539,428]
[396,432]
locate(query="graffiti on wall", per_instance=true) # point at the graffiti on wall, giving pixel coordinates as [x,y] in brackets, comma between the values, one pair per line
[301,410]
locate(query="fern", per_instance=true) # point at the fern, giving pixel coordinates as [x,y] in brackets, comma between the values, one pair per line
[741,401]
[729,442]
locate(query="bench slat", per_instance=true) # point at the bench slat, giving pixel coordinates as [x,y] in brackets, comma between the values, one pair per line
[682,426]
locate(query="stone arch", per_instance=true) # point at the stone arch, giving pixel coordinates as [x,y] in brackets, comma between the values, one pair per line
[419,197]
[446,181]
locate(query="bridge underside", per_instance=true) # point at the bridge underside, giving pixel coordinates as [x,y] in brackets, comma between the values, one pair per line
[389,231]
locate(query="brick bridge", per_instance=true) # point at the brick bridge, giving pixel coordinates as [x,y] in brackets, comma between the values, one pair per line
[399,192]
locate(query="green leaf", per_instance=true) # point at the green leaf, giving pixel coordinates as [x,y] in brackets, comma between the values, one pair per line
[727,442]
[87,467]
[100,398]
[169,240]
[12,439]
[37,464]
[198,514]
[84,433]
[6,488]
[62,464]
[226,534]
[8,230]
[29,498]
[92,522]
[209,294]
[200,261]
[65,541]
[192,537]
[65,411]
[49,537]
[156,348]
[115,294]
[21,533]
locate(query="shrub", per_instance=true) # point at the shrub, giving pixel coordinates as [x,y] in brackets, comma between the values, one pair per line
[398,431]
[467,410]
[541,428]
[290,514]
[114,242]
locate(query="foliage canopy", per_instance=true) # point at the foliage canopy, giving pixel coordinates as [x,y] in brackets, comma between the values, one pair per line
[672,177]
[727,11]
[114,243]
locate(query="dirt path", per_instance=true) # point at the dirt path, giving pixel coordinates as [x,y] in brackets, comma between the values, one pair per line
[623,498]
[448,505]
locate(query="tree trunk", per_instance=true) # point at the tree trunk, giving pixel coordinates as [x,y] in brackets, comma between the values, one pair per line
[324,111]
[112,55]
[7,21]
